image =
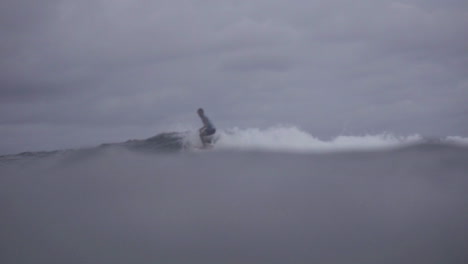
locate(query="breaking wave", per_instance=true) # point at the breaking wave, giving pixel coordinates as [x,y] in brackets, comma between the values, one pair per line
[277,139]
[294,139]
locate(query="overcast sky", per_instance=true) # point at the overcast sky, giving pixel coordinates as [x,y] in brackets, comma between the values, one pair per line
[77,73]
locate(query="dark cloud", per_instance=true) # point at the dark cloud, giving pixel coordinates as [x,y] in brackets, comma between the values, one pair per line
[322,65]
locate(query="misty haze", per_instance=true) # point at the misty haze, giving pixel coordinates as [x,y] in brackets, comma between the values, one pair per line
[233,131]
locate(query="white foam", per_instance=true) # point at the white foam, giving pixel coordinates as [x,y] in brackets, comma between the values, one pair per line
[457,140]
[293,139]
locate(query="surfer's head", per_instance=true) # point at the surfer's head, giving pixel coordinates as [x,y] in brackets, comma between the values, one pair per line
[200,111]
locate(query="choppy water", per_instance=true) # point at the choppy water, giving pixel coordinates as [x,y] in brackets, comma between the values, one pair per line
[253,198]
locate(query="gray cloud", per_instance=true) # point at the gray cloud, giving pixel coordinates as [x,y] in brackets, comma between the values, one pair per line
[322,65]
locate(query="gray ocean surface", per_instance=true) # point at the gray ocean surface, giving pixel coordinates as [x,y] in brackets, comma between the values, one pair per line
[152,201]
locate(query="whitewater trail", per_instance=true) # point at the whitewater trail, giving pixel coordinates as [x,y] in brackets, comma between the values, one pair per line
[293,139]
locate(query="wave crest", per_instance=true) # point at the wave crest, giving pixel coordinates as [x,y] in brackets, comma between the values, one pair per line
[291,138]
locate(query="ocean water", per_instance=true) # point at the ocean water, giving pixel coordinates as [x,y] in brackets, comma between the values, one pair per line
[277,195]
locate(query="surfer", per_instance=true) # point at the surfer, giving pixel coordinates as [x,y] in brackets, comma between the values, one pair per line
[207,130]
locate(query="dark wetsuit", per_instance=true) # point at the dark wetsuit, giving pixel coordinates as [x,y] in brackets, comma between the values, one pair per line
[207,130]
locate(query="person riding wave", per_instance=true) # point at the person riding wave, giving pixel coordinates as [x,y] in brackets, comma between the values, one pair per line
[208,128]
